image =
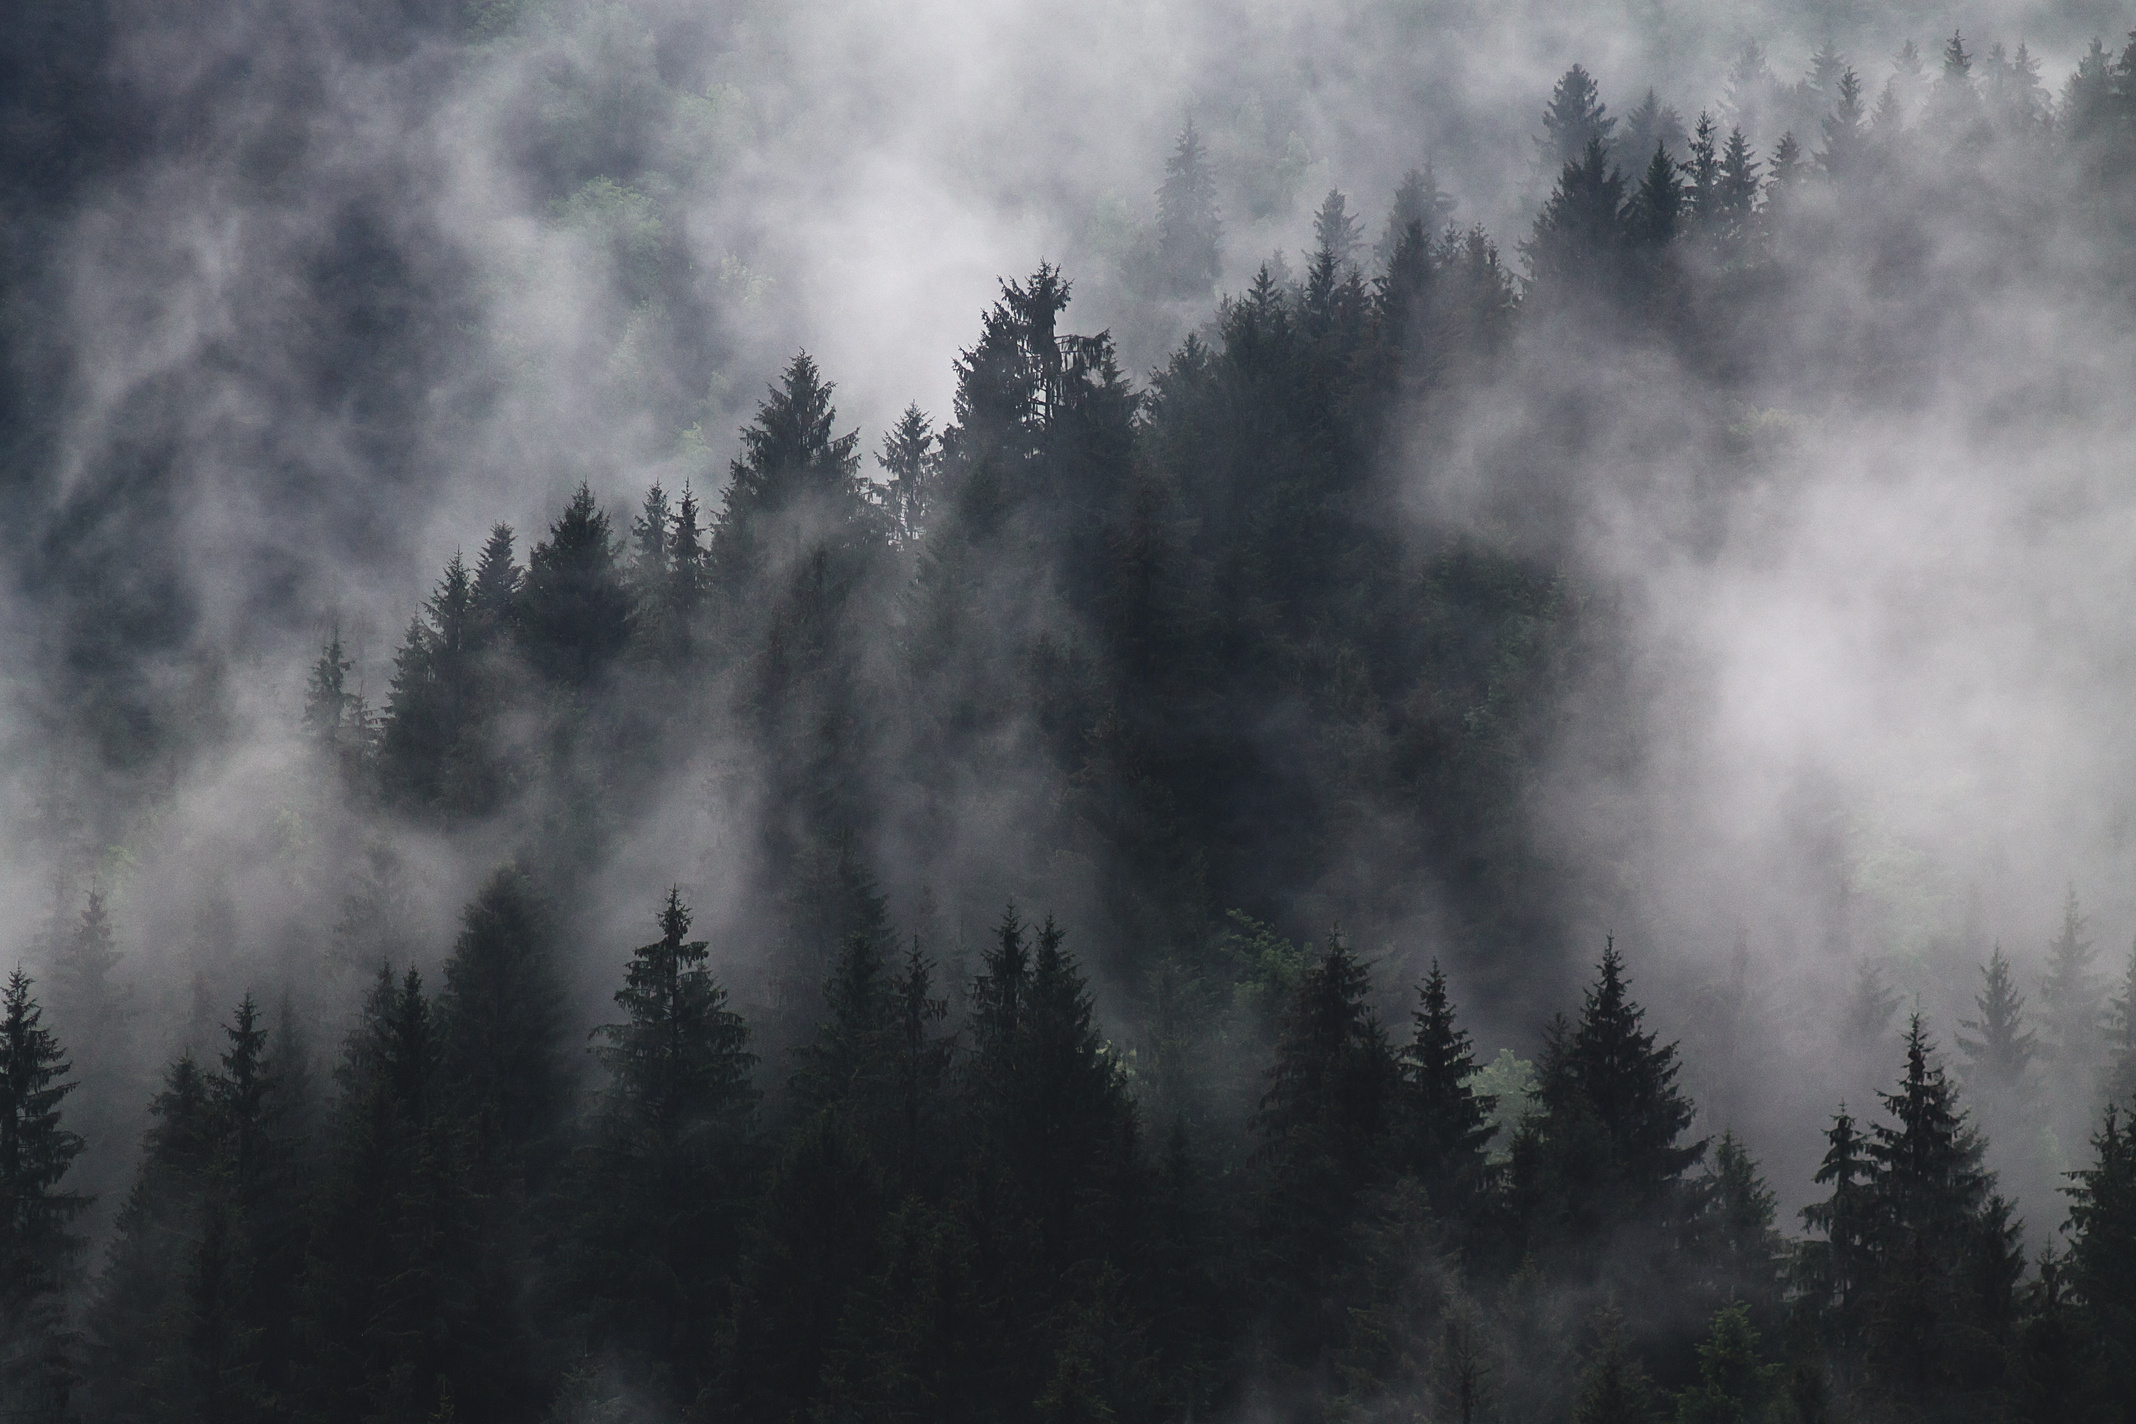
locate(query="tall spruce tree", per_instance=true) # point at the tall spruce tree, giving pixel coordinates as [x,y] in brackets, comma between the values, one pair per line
[2002,1049]
[501,1028]
[662,1181]
[1189,232]
[1446,1125]
[39,1251]
[575,610]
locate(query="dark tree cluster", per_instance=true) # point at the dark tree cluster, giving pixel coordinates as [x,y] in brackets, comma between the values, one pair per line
[973,1213]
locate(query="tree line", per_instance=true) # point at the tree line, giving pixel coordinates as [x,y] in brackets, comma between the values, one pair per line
[961,1201]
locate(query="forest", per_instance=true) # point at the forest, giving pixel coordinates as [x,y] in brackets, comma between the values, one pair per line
[1133,825]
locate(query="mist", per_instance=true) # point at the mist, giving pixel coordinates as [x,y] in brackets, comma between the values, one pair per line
[1744,592]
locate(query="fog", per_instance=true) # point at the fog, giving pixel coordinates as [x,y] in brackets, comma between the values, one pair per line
[315,295]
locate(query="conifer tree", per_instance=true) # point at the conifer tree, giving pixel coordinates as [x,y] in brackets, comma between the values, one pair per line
[575,611]
[39,1251]
[2003,1048]
[500,1020]
[908,459]
[1842,128]
[1614,1388]
[326,696]
[1445,1123]
[1837,1268]
[1574,119]
[1703,169]
[137,1357]
[1733,1384]
[1189,233]
[1652,216]
[1945,1260]
[661,1181]
[2102,1257]
[794,475]
[1323,1122]
[1418,200]
[1578,233]
[1738,1230]
[2069,1000]
[498,583]
[1652,124]
[1736,184]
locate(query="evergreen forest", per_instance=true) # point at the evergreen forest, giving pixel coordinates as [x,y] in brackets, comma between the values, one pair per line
[1082,849]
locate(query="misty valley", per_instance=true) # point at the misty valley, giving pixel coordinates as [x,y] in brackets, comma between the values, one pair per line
[695,733]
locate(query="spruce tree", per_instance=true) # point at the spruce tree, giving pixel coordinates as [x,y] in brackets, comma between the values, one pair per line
[1652,216]
[575,612]
[39,1252]
[1579,232]
[2069,1002]
[908,458]
[1573,120]
[1843,127]
[1837,1268]
[1189,232]
[661,1182]
[501,1021]
[1446,1125]
[2102,1260]
[2002,1049]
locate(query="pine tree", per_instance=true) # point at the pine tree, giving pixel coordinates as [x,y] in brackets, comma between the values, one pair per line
[1578,233]
[1189,232]
[1703,169]
[1324,1124]
[2102,1260]
[795,482]
[39,1251]
[327,698]
[1842,128]
[1652,217]
[1736,186]
[662,1179]
[1733,1385]
[2069,1001]
[2003,1048]
[575,612]
[1446,1125]
[1418,201]
[498,583]
[1573,120]
[1653,124]
[501,1027]
[1609,1066]
[138,1363]
[1946,1263]
[1745,1249]
[908,458]
[1837,1269]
